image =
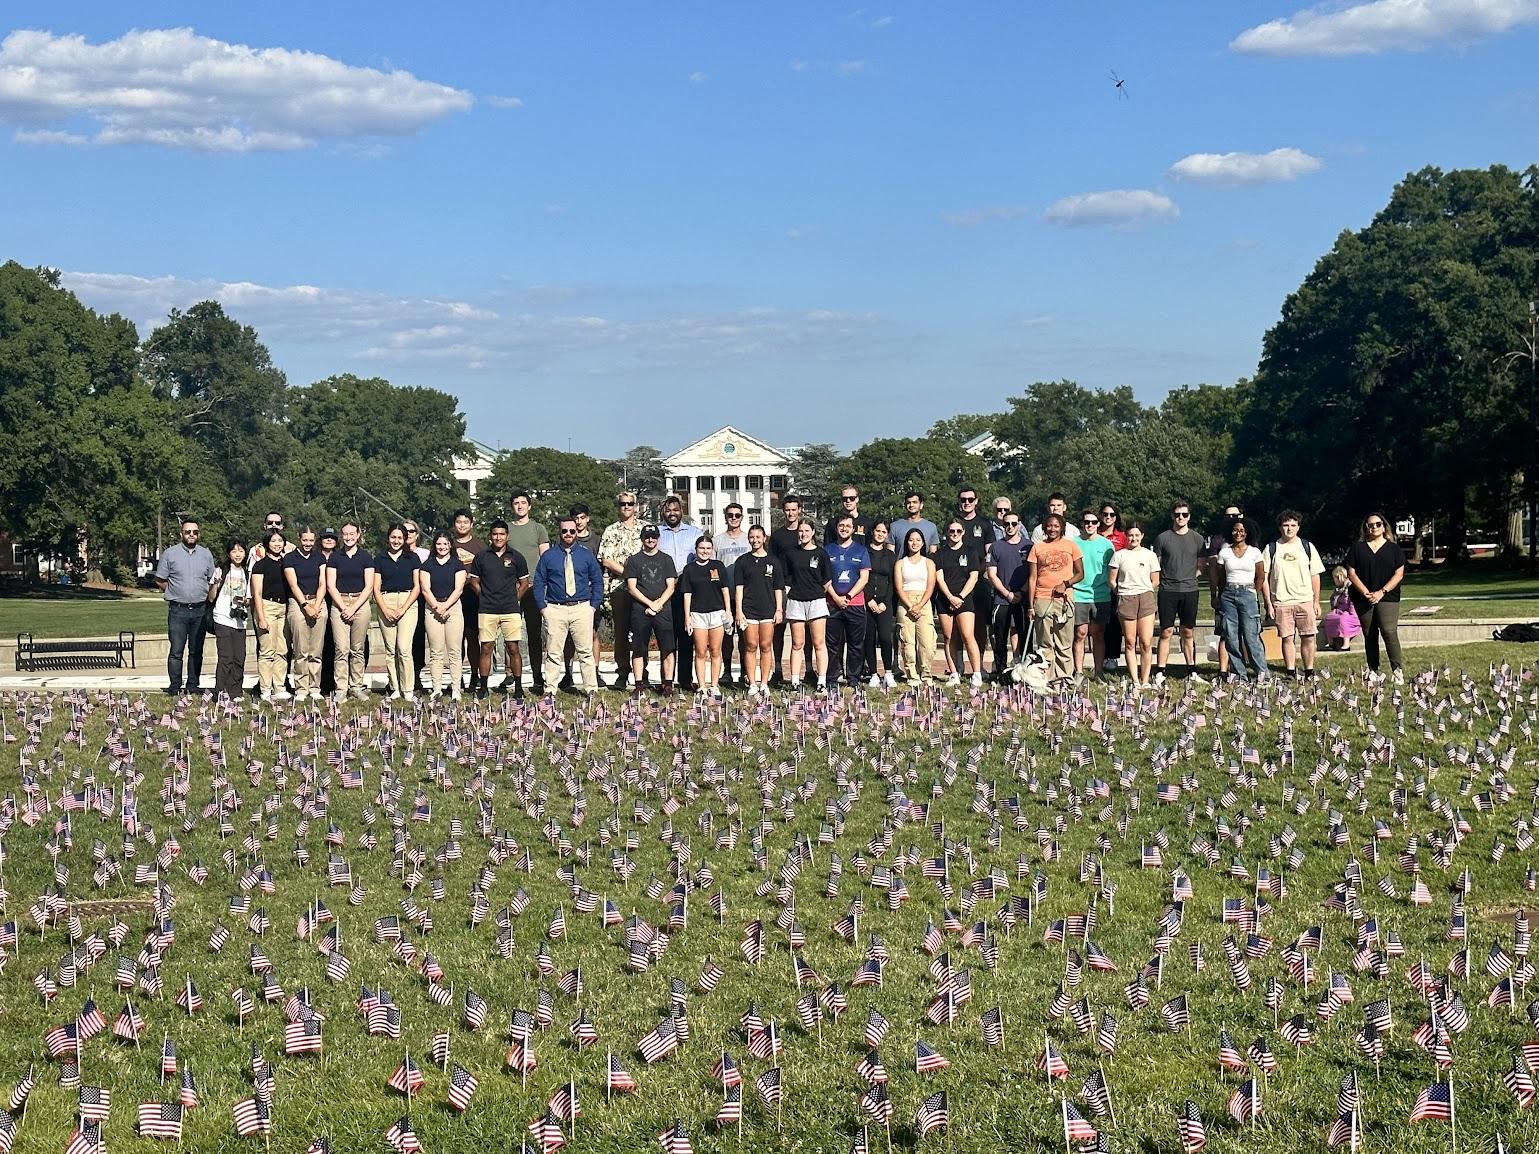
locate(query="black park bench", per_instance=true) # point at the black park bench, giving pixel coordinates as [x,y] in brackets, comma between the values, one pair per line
[33,656]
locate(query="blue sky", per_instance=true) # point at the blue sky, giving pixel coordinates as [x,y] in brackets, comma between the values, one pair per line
[622,224]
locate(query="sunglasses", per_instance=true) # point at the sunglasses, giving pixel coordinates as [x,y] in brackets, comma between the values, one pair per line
[1182,516]
[734,516]
[954,532]
[1375,524]
[1090,521]
[274,525]
[411,530]
[850,497]
[626,504]
[1108,512]
[968,500]
[1012,524]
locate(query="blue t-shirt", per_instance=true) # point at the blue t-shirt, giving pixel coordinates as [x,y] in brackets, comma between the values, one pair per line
[1097,552]
[847,561]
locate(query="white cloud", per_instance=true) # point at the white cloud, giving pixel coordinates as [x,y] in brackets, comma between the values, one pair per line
[1385,25]
[396,332]
[973,217]
[505,101]
[1123,207]
[175,89]
[699,77]
[48,136]
[1235,168]
[836,67]
[801,231]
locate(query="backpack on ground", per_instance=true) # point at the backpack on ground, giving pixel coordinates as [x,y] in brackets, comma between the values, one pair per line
[1517,631]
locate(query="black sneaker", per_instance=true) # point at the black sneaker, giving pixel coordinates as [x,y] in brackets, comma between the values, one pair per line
[482,692]
[566,682]
[776,680]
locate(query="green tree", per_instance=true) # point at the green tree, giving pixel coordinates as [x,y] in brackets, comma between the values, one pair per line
[1045,418]
[641,471]
[964,426]
[1381,385]
[555,481]
[817,474]
[228,396]
[886,468]
[1142,469]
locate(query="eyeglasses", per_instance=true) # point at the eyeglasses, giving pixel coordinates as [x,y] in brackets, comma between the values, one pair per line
[1001,509]
[954,532]
[411,530]
[1108,512]
[1181,516]
[968,500]
[1375,524]
[1012,524]
[850,497]
[626,504]
[569,532]
[1090,521]
[189,532]
[273,525]
[734,516]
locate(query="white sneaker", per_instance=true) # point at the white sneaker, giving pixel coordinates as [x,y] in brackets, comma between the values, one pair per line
[454,694]
[874,683]
[395,695]
[889,681]
[1197,678]
[1159,679]
[977,680]
[1398,677]
[954,679]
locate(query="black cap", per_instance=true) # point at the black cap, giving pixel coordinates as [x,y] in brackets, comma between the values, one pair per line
[651,531]
[329,532]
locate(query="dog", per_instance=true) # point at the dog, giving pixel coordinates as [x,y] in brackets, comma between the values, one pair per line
[1031,672]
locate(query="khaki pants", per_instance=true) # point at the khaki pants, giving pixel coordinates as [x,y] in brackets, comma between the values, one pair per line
[348,637]
[445,642]
[308,639]
[576,622]
[399,669]
[918,642]
[1055,637]
[272,650]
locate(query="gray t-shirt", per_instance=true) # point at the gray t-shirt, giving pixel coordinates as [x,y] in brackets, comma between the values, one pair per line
[1179,554]
[527,539]
[898,532]
[729,548]
[188,573]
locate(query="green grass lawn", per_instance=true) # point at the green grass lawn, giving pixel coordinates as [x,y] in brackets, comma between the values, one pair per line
[84,617]
[1003,780]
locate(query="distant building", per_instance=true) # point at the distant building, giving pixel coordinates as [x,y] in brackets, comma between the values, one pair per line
[471,470]
[994,451]
[727,466]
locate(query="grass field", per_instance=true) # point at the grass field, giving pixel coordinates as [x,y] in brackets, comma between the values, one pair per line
[81,617]
[998,774]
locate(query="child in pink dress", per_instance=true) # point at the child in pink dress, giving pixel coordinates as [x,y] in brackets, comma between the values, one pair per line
[1341,623]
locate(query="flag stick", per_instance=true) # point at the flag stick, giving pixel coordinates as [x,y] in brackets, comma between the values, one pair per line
[1453,1117]
[1110,1106]
[609,1061]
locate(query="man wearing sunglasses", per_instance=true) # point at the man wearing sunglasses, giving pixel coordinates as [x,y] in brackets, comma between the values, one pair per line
[620,541]
[1181,551]
[978,533]
[187,577]
[849,505]
[727,546]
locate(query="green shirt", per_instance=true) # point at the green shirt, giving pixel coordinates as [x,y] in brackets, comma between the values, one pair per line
[1097,552]
[527,539]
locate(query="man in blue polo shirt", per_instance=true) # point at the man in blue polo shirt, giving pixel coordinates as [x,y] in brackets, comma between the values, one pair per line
[568,587]
[185,575]
[349,583]
[850,566]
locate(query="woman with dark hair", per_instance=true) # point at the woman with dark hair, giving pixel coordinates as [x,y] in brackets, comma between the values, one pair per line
[1375,569]
[269,614]
[957,573]
[914,578]
[759,597]
[232,612]
[441,582]
[395,593]
[1238,577]
[881,621]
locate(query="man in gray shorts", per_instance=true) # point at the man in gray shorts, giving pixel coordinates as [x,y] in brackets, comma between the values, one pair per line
[1181,550]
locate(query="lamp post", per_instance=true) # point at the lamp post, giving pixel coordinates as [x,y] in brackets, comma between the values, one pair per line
[1530,353]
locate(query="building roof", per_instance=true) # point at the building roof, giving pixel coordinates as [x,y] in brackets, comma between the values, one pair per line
[727,447]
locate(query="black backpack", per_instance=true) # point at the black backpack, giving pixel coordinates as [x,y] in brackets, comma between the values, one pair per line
[1517,631]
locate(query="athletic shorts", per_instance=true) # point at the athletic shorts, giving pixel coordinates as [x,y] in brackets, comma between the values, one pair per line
[944,609]
[814,610]
[1135,606]
[1175,607]
[755,621]
[715,620]
[1092,613]
[645,626]
[1302,617]
[509,625]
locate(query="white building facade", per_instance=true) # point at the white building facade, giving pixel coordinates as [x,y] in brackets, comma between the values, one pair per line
[727,466]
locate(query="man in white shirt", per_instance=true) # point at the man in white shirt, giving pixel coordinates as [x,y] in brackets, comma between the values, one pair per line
[728,545]
[1059,504]
[1293,569]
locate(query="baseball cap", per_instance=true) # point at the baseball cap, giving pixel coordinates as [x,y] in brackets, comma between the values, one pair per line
[329,532]
[651,531]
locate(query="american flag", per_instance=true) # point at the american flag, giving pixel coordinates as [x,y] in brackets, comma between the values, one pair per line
[252,1116]
[462,1087]
[94,1103]
[1434,1102]
[1245,1102]
[161,1120]
[1193,1135]
[675,1139]
[407,1078]
[402,1137]
[619,1079]
[731,1111]
[931,1114]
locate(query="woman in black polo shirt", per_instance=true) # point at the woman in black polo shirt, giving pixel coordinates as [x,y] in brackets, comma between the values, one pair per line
[441,582]
[881,618]
[395,593]
[269,616]
[808,584]
[1375,568]
[760,603]
[957,573]
[706,590]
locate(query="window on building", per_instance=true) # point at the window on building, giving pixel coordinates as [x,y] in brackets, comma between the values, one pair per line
[754,481]
[18,555]
[705,483]
[779,482]
[679,484]
[729,483]
[703,519]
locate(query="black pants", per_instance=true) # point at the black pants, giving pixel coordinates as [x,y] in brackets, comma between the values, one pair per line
[1008,617]
[880,630]
[230,673]
[534,637]
[846,638]
[726,657]
[684,675]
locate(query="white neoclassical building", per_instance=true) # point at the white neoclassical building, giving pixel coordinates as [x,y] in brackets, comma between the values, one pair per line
[726,466]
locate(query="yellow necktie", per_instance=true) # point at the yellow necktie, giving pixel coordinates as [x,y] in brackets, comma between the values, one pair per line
[571,576]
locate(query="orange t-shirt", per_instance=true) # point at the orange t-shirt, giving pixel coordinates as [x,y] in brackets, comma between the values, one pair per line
[1055,563]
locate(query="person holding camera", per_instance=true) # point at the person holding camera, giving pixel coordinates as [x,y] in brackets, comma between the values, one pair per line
[232,613]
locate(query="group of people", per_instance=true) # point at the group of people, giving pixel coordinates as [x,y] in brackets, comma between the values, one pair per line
[865,602]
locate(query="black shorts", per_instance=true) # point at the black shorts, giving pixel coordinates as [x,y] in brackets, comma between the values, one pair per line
[645,626]
[1173,606]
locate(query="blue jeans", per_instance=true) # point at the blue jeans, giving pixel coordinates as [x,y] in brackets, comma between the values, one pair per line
[186,628]
[1239,624]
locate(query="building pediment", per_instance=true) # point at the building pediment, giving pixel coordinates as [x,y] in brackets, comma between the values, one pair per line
[727,448]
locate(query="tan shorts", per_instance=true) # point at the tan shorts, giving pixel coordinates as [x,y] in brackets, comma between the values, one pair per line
[1302,617]
[509,625]
[1135,606]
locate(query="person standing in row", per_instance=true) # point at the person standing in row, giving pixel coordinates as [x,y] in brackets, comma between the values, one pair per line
[1134,576]
[305,573]
[1053,568]
[914,578]
[186,577]
[350,584]
[500,579]
[849,502]
[1375,568]
[619,542]
[881,616]
[568,587]
[419,638]
[1059,504]
[1293,569]
[1238,579]
[467,547]
[849,570]
[729,545]
[232,613]
[1092,597]
[759,600]
[957,573]
[1006,574]
[808,589]
[677,539]
[269,614]
[978,533]
[1180,551]
[326,546]
[650,578]
[441,582]
[784,542]
[258,551]
[589,540]
[706,590]
[396,594]
[913,518]
[531,540]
